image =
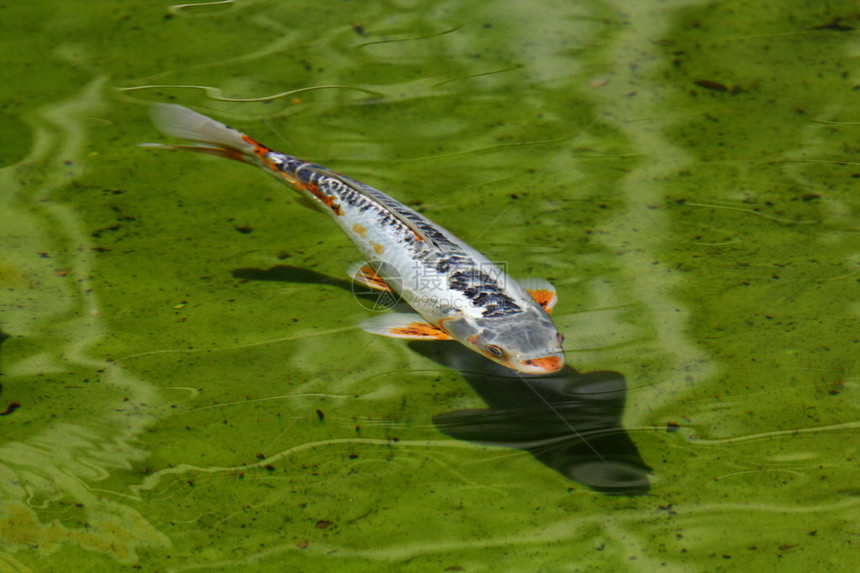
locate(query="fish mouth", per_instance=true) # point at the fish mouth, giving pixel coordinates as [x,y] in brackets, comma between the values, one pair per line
[543,365]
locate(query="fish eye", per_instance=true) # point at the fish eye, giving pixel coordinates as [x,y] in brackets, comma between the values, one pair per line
[560,338]
[495,350]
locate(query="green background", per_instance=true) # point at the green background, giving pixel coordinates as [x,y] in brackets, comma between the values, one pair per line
[686,175]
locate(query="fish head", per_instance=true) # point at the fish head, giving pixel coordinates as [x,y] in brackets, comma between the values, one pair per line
[527,342]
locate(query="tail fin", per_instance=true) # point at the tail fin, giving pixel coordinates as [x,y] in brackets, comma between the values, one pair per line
[215,137]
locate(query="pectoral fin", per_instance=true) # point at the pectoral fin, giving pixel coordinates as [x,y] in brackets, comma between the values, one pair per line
[363,274]
[404,325]
[542,291]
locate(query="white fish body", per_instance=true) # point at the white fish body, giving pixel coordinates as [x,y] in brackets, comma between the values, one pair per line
[457,291]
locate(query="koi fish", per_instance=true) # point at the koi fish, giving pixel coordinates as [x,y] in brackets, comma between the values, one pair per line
[457,292]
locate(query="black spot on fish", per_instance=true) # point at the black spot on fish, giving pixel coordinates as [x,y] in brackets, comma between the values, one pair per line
[304,175]
[484,298]
[501,307]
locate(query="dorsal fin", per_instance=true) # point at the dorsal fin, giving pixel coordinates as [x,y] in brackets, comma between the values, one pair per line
[385,203]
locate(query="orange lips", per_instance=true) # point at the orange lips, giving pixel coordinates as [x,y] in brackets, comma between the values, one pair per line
[547,363]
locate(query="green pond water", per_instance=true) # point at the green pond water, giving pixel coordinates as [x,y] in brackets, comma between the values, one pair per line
[184,383]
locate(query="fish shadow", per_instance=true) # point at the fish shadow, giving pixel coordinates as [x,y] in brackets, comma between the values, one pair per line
[291,274]
[3,338]
[569,421]
[12,405]
[371,299]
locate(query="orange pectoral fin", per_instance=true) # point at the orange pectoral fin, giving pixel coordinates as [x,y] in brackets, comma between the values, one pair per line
[362,273]
[545,298]
[404,325]
[419,331]
[542,291]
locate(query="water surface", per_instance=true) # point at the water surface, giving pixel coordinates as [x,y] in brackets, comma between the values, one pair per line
[184,383]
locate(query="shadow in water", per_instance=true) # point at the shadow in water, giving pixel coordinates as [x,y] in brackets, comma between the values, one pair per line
[569,421]
[367,297]
[290,274]
[12,405]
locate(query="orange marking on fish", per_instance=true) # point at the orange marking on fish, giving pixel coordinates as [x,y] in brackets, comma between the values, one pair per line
[260,150]
[421,329]
[377,248]
[548,363]
[328,200]
[263,152]
[359,230]
[543,297]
